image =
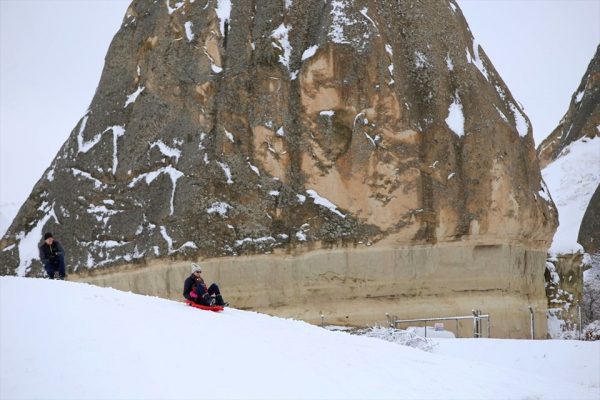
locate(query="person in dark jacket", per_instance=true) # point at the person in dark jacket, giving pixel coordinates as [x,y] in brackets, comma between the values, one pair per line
[52,256]
[194,289]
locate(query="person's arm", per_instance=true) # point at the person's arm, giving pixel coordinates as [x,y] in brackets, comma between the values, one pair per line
[59,249]
[43,256]
[187,288]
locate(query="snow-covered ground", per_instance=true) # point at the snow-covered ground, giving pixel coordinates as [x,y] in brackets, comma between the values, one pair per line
[572,179]
[66,340]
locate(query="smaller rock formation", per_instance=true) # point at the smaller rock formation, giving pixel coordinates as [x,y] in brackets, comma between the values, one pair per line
[570,157]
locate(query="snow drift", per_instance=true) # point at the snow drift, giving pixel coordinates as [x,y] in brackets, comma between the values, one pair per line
[69,340]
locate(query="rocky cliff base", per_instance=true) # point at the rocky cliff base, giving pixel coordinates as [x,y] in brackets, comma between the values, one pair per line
[359,286]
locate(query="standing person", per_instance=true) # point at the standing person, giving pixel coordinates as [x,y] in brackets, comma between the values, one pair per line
[194,289]
[52,255]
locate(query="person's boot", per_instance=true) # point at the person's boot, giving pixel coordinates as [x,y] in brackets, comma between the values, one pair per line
[220,301]
[207,300]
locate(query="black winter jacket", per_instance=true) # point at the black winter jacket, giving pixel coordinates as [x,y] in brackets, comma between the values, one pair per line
[50,253]
[190,283]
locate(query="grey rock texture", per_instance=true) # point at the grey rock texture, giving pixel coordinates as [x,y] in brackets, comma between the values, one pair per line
[581,119]
[566,287]
[589,232]
[285,124]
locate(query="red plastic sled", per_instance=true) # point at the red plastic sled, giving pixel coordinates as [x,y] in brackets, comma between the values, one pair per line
[207,308]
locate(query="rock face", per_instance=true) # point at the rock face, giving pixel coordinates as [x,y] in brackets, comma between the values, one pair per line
[571,157]
[589,232]
[368,149]
[582,119]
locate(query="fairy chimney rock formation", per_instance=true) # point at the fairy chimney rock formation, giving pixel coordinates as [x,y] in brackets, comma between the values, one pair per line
[329,157]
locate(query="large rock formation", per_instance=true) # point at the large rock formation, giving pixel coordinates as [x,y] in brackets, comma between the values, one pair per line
[342,157]
[571,156]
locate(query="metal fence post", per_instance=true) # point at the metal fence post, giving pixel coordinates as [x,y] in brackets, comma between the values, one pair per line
[532,316]
[580,319]
[457,327]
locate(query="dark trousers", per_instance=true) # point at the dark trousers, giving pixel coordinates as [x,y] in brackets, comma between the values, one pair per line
[204,295]
[58,265]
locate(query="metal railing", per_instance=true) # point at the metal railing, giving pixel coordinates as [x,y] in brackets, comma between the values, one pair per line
[477,318]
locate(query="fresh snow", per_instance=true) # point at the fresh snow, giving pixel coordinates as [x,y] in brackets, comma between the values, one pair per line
[188,31]
[226,171]
[477,60]
[421,60]
[149,177]
[82,145]
[254,168]
[364,11]
[281,35]
[102,213]
[219,207]
[167,150]
[324,202]
[520,121]
[229,136]
[572,179]
[339,21]
[223,11]
[178,5]
[449,62]
[101,343]
[98,184]
[133,96]
[389,50]
[456,118]
[308,53]
[502,115]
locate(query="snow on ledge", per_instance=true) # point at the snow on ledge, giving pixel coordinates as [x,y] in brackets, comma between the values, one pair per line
[308,53]
[133,96]
[322,201]
[149,177]
[223,11]
[456,118]
[219,207]
[166,150]
[188,31]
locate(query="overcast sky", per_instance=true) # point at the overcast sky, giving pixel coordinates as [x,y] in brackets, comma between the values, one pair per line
[52,53]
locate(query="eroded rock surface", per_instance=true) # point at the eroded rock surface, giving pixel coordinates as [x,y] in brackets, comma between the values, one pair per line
[289,126]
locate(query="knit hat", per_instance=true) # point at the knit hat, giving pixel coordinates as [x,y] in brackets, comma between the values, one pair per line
[196,267]
[48,235]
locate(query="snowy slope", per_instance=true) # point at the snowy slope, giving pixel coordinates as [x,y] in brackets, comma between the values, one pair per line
[572,179]
[68,340]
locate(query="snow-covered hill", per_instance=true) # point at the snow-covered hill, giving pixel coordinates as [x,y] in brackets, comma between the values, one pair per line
[572,179]
[69,340]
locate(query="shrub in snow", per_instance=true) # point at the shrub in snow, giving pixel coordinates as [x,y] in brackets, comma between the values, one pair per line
[398,336]
[592,331]
[590,307]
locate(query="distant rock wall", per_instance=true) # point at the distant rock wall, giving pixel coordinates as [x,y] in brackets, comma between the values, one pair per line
[580,126]
[359,286]
[582,119]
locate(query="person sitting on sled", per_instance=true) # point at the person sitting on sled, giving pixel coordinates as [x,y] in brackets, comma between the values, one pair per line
[194,289]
